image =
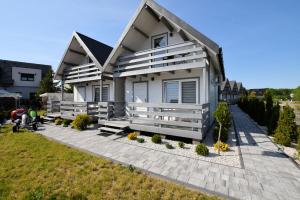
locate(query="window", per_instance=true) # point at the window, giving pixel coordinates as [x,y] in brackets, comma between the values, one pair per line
[27,77]
[105,93]
[171,91]
[159,41]
[97,94]
[181,91]
[188,91]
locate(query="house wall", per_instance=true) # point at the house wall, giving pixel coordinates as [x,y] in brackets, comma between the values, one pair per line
[160,29]
[16,76]
[155,87]
[89,88]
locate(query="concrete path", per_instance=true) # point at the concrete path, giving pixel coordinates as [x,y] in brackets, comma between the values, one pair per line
[267,173]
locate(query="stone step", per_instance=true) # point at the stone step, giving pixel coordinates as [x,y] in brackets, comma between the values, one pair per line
[110,130]
[114,124]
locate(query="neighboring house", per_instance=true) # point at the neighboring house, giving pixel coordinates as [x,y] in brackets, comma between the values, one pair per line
[231,91]
[20,77]
[161,77]
[225,90]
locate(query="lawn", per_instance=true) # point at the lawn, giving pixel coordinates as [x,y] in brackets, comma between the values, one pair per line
[33,168]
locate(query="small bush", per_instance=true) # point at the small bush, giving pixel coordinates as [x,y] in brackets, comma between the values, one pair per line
[66,122]
[131,168]
[223,136]
[202,150]
[81,122]
[132,136]
[286,130]
[223,146]
[169,146]
[140,140]
[181,144]
[58,121]
[156,139]
[38,194]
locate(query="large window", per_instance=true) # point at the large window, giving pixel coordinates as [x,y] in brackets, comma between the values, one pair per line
[105,93]
[27,77]
[181,91]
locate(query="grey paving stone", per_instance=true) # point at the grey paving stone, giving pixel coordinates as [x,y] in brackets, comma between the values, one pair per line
[267,174]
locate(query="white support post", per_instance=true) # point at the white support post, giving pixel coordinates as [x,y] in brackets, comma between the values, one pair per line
[62,89]
[101,84]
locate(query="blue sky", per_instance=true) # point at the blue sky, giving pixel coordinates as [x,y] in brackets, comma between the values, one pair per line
[260,39]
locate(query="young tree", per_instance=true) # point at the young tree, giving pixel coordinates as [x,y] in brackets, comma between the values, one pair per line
[272,124]
[46,84]
[222,115]
[269,106]
[286,130]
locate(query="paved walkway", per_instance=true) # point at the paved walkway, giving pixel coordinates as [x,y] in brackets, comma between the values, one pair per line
[267,173]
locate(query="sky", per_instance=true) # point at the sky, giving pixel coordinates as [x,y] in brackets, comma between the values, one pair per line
[260,39]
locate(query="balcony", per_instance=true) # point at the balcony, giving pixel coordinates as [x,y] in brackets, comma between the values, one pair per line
[82,73]
[175,57]
[183,120]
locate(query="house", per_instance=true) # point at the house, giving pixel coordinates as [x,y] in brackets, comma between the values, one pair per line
[231,91]
[162,76]
[22,78]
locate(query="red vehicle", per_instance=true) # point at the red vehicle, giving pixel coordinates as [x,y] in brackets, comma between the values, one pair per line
[17,114]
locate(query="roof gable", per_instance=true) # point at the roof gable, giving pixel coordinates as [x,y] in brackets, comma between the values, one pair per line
[79,47]
[160,14]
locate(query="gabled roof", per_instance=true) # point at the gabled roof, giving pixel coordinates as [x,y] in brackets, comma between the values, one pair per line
[224,83]
[239,85]
[98,49]
[213,49]
[232,84]
[97,52]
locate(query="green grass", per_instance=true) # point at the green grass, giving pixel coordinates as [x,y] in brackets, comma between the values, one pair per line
[33,167]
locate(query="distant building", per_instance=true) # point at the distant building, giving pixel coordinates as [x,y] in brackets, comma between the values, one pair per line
[20,77]
[231,91]
[259,91]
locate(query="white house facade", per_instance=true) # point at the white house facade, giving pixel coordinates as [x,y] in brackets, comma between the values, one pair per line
[163,76]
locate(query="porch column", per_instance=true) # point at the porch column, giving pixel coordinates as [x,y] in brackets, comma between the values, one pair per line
[62,89]
[101,84]
[205,84]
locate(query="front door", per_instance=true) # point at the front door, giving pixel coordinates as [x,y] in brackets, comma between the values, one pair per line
[140,95]
[81,94]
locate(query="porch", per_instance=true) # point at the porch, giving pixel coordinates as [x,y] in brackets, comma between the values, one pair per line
[182,120]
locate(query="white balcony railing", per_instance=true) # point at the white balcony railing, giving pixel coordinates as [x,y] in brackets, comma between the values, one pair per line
[87,72]
[180,56]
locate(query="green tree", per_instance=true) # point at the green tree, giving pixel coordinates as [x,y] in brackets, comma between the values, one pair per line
[46,84]
[296,93]
[272,123]
[222,115]
[269,106]
[286,130]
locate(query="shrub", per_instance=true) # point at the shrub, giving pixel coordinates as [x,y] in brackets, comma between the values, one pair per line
[132,136]
[269,106]
[169,146]
[202,150]
[223,136]
[66,122]
[181,144]
[286,131]
[140,140]
[156,139]
[58,121]
[272,123]
[298,145]
[223,146]
[81,122]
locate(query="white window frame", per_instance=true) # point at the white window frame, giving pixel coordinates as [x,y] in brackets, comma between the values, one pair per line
[180,89]
[98,86]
